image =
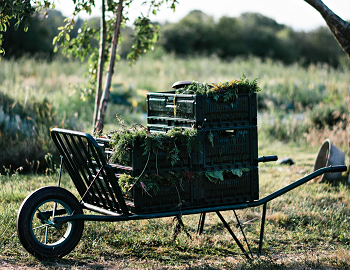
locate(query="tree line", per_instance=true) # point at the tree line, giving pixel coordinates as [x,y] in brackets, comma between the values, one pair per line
[197,34]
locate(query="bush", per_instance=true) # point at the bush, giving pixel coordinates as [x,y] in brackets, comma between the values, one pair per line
[25,139]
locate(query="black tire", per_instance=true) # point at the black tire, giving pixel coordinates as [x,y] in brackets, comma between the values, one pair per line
[35,229]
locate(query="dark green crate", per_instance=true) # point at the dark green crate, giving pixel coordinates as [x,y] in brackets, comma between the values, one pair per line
[200,111]
[138,162]
[222,146]
[228,146]
[233,189]
[197,193]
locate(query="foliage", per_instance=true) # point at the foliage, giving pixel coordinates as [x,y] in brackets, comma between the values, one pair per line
[123,141]
[246,35]
[152,183]
[224,91]
[24,134]
[138,138]
[216,176]
[21,11]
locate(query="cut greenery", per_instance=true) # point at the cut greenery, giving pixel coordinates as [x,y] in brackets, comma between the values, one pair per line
[138,138]
[224,92]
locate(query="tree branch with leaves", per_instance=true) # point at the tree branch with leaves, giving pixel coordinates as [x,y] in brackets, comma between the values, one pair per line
[146,35]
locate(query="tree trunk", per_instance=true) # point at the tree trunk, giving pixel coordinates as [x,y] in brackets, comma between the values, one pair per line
[101,62]
[105,95]
[339,28]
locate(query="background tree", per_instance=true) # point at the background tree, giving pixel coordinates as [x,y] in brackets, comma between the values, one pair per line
[145,36]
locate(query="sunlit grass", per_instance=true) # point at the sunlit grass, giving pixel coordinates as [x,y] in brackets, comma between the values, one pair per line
[304,227]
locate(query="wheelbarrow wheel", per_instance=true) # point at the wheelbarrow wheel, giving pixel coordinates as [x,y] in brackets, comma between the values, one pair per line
[36,227]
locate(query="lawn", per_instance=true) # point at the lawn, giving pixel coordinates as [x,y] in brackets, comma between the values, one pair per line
[305,228]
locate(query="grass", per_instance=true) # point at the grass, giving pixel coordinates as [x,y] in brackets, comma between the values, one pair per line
[305,228]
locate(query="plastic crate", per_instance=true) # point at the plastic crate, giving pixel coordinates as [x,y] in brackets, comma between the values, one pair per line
[200,111]
[230,147]
[233,189]
[197,193]
[137,162]
[168,198]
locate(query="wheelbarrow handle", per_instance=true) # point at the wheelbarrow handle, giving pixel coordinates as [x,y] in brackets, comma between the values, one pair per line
[338,168]
[267,158]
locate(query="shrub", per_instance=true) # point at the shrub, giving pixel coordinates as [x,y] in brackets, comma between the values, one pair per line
[25,139]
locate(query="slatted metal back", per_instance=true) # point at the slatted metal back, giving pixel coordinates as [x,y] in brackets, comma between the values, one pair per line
[89,170]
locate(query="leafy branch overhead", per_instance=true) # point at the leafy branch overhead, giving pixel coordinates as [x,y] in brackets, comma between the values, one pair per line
[113,18]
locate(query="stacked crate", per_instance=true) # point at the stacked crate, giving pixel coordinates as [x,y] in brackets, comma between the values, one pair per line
[227,133]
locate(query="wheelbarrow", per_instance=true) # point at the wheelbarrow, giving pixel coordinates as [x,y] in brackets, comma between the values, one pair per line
[50,221]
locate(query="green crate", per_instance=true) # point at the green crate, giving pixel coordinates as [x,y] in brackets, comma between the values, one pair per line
[223,146]
[137,162]
[197,193]
[200,111]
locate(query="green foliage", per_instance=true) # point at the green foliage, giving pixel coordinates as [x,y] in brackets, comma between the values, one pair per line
[138,138]
[224,91]
[123,141]
[146,35]
[37,40]
[216,176]
[247,35]
[24,134]
[152,183]
[21,11]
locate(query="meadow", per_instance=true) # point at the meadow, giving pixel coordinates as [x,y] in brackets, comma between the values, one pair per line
[307,228]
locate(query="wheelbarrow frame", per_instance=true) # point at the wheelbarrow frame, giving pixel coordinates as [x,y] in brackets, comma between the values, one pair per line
[100,191]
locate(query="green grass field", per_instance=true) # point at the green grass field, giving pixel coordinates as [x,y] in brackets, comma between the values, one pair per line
[307,228]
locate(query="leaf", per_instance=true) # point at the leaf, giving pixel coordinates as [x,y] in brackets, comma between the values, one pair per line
[54,40]
[67,37]
[154,12]
[215,176]
[237,172]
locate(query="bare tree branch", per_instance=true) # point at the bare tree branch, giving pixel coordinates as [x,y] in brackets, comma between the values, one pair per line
[339,28]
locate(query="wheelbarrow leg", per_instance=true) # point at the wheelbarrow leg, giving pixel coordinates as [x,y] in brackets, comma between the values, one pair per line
[201,223]
[245,238]
[233,235]
[262,228]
